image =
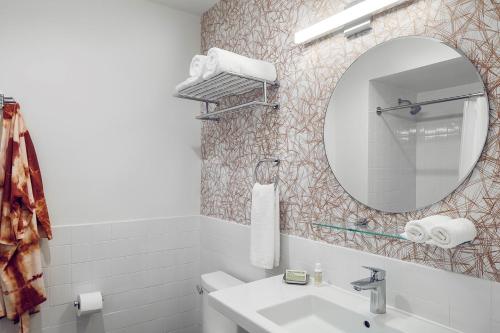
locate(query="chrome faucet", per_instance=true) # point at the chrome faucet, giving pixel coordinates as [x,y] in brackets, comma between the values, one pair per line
[376,284]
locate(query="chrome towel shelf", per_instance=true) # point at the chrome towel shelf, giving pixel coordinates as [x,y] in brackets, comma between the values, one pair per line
[225,84]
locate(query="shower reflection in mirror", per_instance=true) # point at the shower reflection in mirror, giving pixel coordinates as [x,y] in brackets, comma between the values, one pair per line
[416,112]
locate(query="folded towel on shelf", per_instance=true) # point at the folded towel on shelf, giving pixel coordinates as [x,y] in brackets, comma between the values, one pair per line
[265,226]
[225,61]
[450,233]
[418,231]
[188,83]
[197,66]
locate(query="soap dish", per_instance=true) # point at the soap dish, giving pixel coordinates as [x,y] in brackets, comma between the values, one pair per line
[296,282]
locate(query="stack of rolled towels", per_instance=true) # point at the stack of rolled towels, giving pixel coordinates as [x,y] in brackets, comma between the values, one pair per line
[218,60]
[440,230]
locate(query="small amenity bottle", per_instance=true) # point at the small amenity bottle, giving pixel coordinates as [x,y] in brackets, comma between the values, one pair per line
[318,275]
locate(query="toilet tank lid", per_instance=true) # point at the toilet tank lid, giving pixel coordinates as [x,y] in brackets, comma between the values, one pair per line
[218,280]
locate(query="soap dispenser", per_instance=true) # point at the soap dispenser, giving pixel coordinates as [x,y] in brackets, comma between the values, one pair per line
[318,275]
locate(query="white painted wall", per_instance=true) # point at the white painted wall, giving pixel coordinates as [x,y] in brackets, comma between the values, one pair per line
[95,80]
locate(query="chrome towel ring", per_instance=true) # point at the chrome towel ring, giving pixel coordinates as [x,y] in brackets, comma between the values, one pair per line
[276,162]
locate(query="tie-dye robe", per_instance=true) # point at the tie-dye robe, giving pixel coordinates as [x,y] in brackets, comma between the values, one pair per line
[24,220]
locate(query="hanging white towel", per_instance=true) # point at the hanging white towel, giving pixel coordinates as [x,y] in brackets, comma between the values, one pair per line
[277,244]
[265,227]
[197,66]
[450,233]
[225,61]
[418,231]
[474,129]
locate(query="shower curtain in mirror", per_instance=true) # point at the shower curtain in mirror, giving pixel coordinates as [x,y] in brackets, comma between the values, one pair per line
[24,220]
[474,126]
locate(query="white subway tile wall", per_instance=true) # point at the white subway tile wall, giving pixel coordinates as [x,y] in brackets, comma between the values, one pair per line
[147,271]
[465,303]
[391,150]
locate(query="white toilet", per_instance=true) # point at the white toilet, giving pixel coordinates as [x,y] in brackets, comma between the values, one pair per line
[213,321]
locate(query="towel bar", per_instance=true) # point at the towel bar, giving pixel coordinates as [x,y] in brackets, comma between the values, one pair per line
[5,100]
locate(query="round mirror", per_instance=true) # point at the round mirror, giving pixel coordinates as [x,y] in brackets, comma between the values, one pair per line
[406,124]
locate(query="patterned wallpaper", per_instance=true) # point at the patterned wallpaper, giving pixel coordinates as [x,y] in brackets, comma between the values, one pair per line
[264,29]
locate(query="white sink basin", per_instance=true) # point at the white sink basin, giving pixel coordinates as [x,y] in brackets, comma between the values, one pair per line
[271,306]
[315,314]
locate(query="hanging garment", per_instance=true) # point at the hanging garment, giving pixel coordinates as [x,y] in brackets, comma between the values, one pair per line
[24,219]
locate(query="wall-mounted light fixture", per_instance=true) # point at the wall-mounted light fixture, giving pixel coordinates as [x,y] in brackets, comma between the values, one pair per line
[354,19]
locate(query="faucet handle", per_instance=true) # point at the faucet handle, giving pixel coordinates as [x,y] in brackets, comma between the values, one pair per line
[377,274]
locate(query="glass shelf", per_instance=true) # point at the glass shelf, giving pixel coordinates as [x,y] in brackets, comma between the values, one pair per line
[362,226]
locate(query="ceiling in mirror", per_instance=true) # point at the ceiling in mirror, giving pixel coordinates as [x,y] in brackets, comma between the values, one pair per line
[406,124]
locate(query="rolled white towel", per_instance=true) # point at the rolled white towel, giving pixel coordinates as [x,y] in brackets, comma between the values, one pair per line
[225,61]
[450,233]
[197,66]
[187,83]
[418,231]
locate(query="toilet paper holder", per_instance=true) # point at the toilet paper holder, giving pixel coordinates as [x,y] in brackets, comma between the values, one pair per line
[76,304]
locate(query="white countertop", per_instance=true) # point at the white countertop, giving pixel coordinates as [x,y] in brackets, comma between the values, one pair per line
[241,303]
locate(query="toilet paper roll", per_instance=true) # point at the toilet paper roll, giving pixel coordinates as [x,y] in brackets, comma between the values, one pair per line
[89,303]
